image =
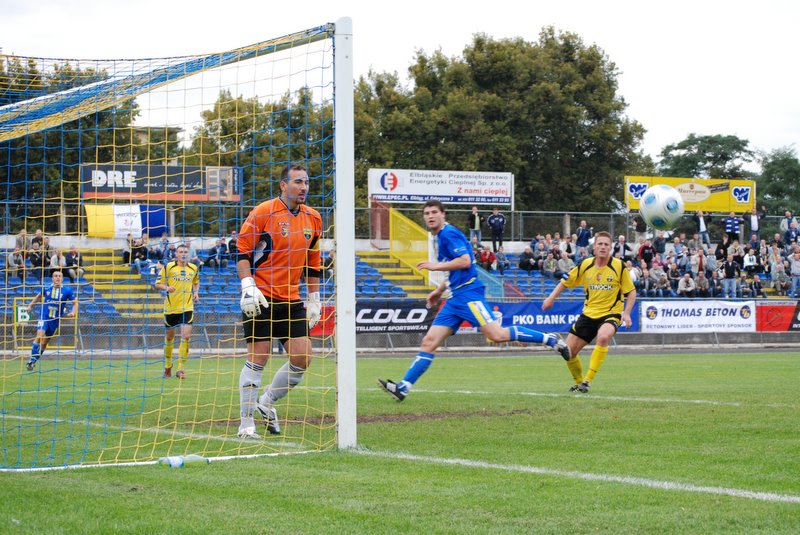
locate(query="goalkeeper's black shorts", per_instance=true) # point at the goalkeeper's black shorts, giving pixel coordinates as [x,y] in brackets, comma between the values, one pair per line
[281,321]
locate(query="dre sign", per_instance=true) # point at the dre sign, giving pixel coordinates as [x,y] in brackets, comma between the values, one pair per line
[144,182]
[113,179]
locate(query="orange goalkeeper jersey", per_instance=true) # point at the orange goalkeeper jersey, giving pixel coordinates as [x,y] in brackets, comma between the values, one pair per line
[281,245]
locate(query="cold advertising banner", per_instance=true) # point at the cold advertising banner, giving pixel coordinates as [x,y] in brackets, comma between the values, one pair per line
[698,316]
[707,194]
[450,187]
[159,182]
[778,317]
[393,316]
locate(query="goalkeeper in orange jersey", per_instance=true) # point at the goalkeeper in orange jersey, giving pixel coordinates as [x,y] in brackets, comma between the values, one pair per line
[606,282]
[278,244]
[180,279]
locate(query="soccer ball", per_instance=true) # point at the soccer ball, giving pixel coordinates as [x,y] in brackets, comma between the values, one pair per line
[661,207]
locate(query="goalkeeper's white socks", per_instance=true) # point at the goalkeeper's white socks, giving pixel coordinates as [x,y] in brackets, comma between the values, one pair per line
[249,386]
[286,378]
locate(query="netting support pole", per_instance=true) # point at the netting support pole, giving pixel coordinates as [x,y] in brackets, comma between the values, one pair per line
[205,334]
[344,223]
[79,336]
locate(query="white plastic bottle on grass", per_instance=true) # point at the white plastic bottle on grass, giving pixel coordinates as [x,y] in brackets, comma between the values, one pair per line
[179,461]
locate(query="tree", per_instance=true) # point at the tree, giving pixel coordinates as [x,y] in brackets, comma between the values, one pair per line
[707,157]
[548,112]
[777,185]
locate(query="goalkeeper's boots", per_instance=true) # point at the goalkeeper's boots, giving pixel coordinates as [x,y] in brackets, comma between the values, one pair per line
[582,387]
[397,390]
[270,417]
[248,432]
[167,372]
[562,348]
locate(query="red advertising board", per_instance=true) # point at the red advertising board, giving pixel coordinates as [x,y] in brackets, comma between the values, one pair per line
[780,317]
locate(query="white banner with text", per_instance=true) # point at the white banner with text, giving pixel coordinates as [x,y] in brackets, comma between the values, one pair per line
[450,187]
[697,316]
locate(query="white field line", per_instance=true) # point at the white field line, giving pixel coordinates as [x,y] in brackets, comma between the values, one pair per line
[152,430]
[595,397]
[146,463]
[133,387]
[591,397]
[624,480]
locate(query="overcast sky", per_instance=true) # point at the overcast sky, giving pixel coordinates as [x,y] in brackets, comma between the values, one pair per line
[708,67]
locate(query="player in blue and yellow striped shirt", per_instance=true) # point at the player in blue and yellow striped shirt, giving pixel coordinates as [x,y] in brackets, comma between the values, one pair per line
[58,301]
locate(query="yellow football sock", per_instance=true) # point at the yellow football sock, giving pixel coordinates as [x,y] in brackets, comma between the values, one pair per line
[575,368]
[168,345]
[183,354]
[598,356]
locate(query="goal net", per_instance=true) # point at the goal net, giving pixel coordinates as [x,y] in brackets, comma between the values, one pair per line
[122,161]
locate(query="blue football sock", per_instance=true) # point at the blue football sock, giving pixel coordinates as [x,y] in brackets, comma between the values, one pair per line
[418,367]
[35,352]
[530,336]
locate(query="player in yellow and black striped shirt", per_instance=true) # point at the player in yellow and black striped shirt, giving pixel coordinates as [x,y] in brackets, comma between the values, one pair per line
[181,280]
[606,282]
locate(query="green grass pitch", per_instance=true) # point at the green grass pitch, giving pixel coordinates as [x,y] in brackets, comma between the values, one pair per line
[670,443]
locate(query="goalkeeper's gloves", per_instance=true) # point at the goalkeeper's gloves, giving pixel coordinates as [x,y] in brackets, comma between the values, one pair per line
[313,309]
[252,298]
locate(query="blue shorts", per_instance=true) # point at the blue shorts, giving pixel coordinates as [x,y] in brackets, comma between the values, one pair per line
[48,326]
[469,306]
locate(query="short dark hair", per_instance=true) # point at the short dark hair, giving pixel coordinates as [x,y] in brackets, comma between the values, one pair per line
[435,202]
[291,167]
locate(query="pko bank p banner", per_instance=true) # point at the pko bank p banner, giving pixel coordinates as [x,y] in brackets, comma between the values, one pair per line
[695,316]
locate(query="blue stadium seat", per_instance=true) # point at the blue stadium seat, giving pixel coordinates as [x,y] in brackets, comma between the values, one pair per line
[203,308]
[88,290]
[398,291]
[91,308]
[213,289]
[368,291]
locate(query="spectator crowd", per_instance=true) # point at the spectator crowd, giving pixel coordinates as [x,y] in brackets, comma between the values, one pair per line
[740,264]
[35,257]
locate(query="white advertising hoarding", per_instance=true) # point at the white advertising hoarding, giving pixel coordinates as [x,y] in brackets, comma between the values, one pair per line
[450,187]
[698,316]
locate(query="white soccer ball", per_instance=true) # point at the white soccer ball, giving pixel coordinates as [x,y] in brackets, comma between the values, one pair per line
[661,207]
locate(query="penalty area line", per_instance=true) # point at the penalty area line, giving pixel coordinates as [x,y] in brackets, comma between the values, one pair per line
[586,476]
